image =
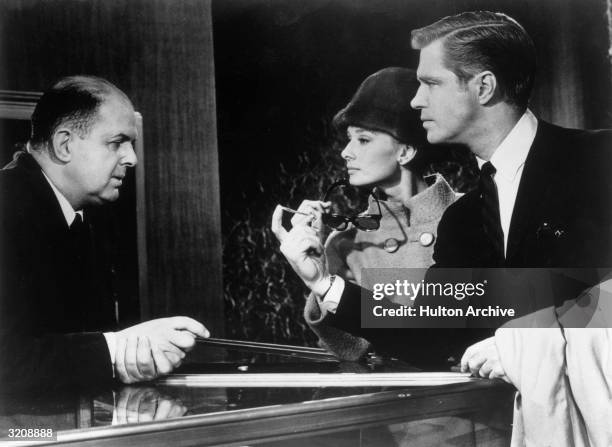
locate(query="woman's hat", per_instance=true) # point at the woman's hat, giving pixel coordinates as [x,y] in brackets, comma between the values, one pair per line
[382,103]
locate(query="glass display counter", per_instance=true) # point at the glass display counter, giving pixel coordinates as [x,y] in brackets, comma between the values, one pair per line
[178,412]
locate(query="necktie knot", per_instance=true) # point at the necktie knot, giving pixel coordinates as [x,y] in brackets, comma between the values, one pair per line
[488,169]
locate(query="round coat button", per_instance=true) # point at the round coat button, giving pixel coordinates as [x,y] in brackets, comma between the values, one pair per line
[391,245]
[426,239]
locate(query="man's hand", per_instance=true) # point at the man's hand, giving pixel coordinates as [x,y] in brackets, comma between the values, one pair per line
[302,246]
[153,348]
[482,359]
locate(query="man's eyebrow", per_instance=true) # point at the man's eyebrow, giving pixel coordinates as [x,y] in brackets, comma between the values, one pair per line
[426,78]
[123,137]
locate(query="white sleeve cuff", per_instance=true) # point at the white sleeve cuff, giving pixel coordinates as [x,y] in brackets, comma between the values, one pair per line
[334,294]
[111,341]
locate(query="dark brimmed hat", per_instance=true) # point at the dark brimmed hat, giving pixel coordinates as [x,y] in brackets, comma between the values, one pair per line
[382,103]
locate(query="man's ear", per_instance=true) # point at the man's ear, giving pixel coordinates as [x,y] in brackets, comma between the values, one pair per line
[406,154]
[486,84]
[61,144]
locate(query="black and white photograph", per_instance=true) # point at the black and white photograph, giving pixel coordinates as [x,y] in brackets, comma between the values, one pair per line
[306,222]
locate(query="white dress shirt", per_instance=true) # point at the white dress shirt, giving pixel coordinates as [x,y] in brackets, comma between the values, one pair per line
[69,215]
[509,161]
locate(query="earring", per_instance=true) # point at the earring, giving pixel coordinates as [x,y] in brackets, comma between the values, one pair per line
[408,157]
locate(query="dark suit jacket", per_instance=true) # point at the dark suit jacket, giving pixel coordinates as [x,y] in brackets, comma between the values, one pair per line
[55,291]
[562,213]
[562,218]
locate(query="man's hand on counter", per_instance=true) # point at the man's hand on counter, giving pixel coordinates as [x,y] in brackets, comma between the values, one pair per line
[153,348]
[482,359]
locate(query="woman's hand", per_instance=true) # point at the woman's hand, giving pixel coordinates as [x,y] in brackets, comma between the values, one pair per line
[302,245]
[310,213]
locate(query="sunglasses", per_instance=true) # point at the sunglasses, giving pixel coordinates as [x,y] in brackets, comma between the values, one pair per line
[340,222]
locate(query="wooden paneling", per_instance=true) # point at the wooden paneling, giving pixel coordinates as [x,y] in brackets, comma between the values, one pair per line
[160,53]
[558,96]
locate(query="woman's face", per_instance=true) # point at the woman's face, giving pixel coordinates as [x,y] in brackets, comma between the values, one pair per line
[372,157]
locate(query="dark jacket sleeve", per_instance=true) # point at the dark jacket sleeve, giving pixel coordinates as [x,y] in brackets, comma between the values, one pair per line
[32,354]
[53,361]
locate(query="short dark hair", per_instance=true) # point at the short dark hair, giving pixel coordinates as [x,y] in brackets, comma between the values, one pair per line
[72,101]
[484,40]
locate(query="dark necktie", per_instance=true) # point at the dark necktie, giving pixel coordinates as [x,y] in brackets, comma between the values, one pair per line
[490,209]
[79,271]
[78,237]
[77,225]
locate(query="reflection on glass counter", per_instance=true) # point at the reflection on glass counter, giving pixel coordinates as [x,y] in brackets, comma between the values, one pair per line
[476,412]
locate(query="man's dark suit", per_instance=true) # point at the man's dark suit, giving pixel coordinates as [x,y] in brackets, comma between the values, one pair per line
[562,218]
[562,214]
[55,286]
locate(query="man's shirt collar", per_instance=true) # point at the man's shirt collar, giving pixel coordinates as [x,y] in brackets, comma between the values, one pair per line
[67,210]
[511,154]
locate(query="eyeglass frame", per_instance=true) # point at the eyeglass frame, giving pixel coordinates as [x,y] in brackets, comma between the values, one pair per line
[349,219]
